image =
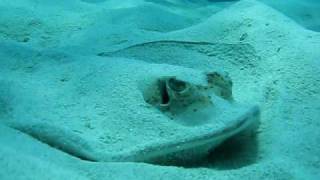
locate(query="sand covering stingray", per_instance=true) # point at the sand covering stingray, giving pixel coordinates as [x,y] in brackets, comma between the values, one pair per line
[113,109]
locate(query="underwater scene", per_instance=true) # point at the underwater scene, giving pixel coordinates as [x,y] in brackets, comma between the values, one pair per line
[160,89]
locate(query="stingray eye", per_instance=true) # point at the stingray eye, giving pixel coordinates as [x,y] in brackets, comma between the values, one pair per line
[165,99]
[177,85]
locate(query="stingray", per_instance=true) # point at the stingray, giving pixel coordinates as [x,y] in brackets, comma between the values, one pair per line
[120,110]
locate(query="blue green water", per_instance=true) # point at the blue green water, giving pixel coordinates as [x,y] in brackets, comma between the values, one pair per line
[159,89]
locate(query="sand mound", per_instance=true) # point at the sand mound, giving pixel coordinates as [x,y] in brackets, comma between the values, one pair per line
[306,13]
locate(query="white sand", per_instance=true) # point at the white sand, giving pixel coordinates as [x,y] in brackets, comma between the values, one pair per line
[272,60]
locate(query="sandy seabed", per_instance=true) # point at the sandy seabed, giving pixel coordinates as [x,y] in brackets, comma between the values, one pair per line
[69,72]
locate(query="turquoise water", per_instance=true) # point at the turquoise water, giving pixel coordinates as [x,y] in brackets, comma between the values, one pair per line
[159,89]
